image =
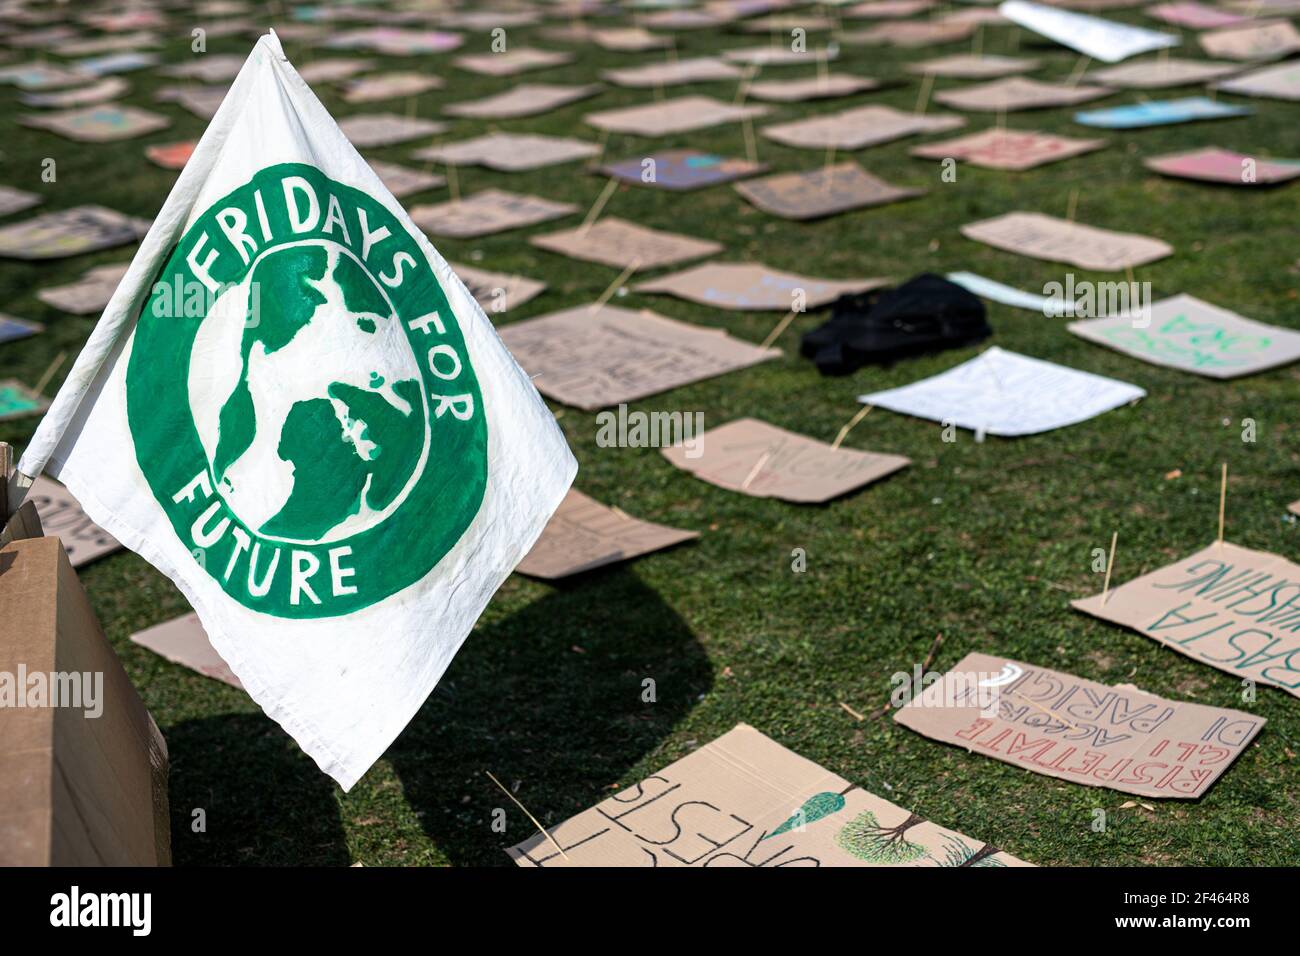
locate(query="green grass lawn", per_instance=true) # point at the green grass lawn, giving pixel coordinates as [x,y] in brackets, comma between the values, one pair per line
[984,543]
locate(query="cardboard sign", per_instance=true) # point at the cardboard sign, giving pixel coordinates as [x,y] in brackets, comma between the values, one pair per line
[622,244]
[758,459]
[497,292]
[751,286]
[16,200]
[967,66]
[171,155]
[681,115]
[784,23]
[629,40]
[1004,393]
[61,515]
[1009,148]
[699,69]
[779,56]
[487,212]
[1017,93]
[1059,240]
[1276,82]
[101,92]
[116,63]
[1102,40]
[1265,40]
[511,62]
[90,293]
[510,152]
[207,68]
[910,35]
[584,535]
[202,101]
[1226,606]
[98,124]
[40,76]
[680,169]
[1160,113]
[887,9]
[1163,72]
[822,192]
[1215,165]
[527,99]
[1078,730]
[69,232]
[387,129]
[592,358]
[115,44]
[183,641]
[333,69]
[857,128]
[388,86]
[405,181]
[12,329]
[744,800]
[395,41]
[824,86]
[1196,16]
[1194,336]
[19,401]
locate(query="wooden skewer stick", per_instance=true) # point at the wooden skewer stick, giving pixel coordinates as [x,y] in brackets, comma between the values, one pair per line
[1110,563]
[527,814]
[753,472]
[1073,205]
[862,413]
[598,206]
[780,327]
[1077,75]
[59,359]
[751,145]
[1223,501]
[453,182]
[923,99]
[614,286]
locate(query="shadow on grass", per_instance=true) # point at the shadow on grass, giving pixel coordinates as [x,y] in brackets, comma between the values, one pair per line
[241,770]
[549,699]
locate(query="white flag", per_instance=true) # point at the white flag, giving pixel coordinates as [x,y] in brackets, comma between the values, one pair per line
[295,410]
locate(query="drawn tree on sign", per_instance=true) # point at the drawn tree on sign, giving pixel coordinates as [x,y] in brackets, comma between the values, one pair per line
[866,839]
[959,853]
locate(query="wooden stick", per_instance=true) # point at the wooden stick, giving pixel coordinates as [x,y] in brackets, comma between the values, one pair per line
[1110,563]
[598,206]
[1077,75]
[780,327]
[6,466]
[851,712]
[44,380]
[753,472]
[923,98]
[453,182]
[1223,500]
[862,413]
[751,145]
[1073,205]
[527,814]
[614,286]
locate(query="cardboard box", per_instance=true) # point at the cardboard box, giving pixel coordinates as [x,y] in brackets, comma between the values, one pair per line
[77,788]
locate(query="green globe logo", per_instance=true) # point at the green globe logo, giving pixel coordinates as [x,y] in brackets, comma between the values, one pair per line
[301,399]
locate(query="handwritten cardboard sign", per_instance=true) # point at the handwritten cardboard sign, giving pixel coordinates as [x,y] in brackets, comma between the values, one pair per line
[969,66]
[90,293]
[510,152]
[629,39]
[16,200]
[396,41]
[1280,82]
[758,459]
[744,800]
[62,516]
[207,68]
[1060,240]
[1162,72]
[386,129]
[171,155]
[681,115]
[387,86]
[19,401]
[497,292]
[41,76]
[1015,93]
[593,358]
[1215,165]
[1196,16]
[1001,148]
[1194,336]
[887,9]
[823,191]
[680,169]
[333,69]
[202,101]
[584,535]
[70,232]
[1005,393]
[183,641]
[697,69]
[1160,113]
[487,212]
[512,61]
[405,181]
[780,56]
[1261,40]
[98,124]
[106,89]
[857,128]
[12,329]
[527,99]
[1078,730]
[619,243]
[752,286]
[824,86]
[1226,606]
[908,35]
